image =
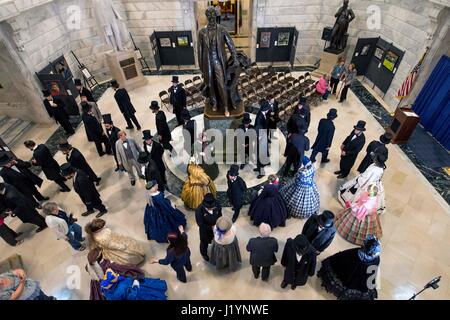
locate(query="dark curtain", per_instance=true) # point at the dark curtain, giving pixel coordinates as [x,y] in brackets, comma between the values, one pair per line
[433,103]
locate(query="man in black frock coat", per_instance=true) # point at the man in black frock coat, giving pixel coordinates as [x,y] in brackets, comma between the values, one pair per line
[306,113]
[17,205]
[162,127]
[296,146]
[82,91]
[156,152]
[150,170]
[85,189]
[94,131]
[43,158]
[245,126]
[177,99]
[78,161]
[56,110]
[320,230]
[299,260]
[378,147]
[236,190]
[325,134]
[206,216]
[296,123]
[18,174]
[189,126]
[261,127]
[350,148]
[126,107]
[112,134]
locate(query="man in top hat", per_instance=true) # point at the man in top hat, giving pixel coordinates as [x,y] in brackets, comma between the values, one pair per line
[17,173]
[162,128]
[273,114]
[296,146]
[262,252]
[350,148]
[156,152]
[150,170]
[78,161]
[206,216]
[112,133]
[95,110]
[94,131]
[325,134]
[378,147]
[84,91]
[85,189]
[127,155]
[189,134]
[42,157]
[14,203]
[320,230]
[126,107]
[261,127]
[236,190]
[245,126]
[177,99]
[56,110]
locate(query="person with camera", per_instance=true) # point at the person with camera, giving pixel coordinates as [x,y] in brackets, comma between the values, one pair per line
[63,225]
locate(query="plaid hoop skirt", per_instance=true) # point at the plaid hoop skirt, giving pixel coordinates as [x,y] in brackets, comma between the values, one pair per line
[301,195]
[354,230]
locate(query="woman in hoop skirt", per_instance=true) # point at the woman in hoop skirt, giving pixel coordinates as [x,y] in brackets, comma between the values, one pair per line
[208,163]
[160,218]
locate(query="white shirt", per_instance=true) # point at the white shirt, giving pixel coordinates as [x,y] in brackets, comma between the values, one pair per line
[298,257]
[15,168]
[125,145]
[148,147]
[59,226]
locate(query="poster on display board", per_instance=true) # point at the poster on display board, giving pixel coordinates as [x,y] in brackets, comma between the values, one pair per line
[283,39]
[264,41]
[379,52]
[390,60]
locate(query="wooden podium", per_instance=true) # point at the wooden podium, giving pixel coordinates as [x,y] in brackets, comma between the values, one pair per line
[403,125]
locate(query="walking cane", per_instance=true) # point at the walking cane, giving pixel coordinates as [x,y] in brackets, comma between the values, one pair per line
[340,90]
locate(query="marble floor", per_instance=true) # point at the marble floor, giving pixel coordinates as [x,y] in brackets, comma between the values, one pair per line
[416,225]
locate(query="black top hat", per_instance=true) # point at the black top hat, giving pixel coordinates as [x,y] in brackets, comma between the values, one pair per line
[326,219]
[185,114]
[64,146]
[386,138]
[151,184]
[302,100]
[86,106]
[246,119]
[4,158]
[77,82]
[67,169]
[234,170]
[144,157]
[107,118]
[332,114]
[154,105]
[301,244]
[361,125]
[146,135]
[209,201]
[114,83]
[175,79]
[265,106]
[46,93]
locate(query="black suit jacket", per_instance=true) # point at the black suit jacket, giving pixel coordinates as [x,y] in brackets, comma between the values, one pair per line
[325,134]
[320,240]
[58,113]
[162,127]
[156,154]
[353,147]
[190,127]
[262,251]
[45,160]
[296,124]
[20,206]
[85,188]
[236,191]
[374,146]
[25,180]
[307,115]
[124,102]
[112,136]
[78,161]
[152,172]
[296,146]
[88,93]
[178,99]
[207,221]
[94,129]
[261,121]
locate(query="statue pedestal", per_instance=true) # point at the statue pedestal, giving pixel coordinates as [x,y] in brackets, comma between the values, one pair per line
[327,62]
[126,69]
[217,120]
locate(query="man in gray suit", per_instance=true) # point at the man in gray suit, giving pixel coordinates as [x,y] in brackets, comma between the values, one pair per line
[127,151]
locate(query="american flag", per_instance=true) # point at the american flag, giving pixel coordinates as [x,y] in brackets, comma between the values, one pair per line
[407,85]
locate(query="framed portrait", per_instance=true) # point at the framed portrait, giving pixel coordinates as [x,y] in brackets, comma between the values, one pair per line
[365,50]
[264,41]
[379,53]
[165,42]
[283,39]
[183,41]
[61,67]
[390,60]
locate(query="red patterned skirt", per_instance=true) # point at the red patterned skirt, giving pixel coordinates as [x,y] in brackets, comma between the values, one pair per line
[356,231]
